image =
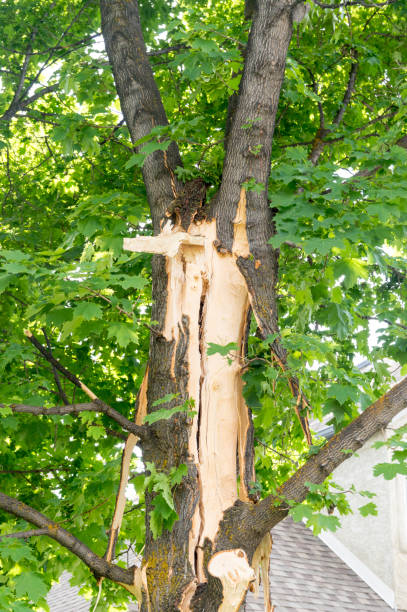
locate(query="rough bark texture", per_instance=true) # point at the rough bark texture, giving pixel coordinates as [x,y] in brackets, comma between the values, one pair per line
[140,99]
[99,566]
[208,274]
[192,284]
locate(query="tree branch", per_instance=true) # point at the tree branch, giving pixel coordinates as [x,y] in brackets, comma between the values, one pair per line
[350,88]
[391,323]
[354,3]
[25,534]
[249,141]
[155,52]
[140,99]
[376,417]
[319,141]
[47,468]
[61,392]
[96,406]
[244,524]
[99,566]
[54,362]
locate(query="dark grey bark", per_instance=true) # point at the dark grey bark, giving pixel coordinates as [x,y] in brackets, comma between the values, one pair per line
[140,99]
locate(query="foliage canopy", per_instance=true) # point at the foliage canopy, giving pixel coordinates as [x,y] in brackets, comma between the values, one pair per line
[72,190]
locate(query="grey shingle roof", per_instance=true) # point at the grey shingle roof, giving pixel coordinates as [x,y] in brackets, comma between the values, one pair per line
[305,576]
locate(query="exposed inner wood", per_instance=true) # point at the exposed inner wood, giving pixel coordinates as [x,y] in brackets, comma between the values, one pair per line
[233,570]
[206,287]
[125,471]
[261,566]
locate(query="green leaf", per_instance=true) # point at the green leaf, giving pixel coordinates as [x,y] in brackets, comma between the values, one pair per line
[336,295]
[14,267]
[137,159]
[15,550]
[223,350]
[352,270]
[165,414]
[162,507]
[156,523]
[300,512]
[178,474]
[132,282]
[32,585]
[343,393]
[165,399]
[367,509]
[5,280]
[88,311]
[151,147]
[96,431]
[322,522]
[390,470]
[123,333]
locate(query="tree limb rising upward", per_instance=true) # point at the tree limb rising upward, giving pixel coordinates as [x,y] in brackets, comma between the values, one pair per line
[266,514]
[140,99]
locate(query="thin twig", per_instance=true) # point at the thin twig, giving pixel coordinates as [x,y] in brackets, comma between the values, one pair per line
[273,450]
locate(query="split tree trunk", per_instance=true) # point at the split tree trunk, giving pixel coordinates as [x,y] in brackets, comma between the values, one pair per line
[206,275]
[204,299]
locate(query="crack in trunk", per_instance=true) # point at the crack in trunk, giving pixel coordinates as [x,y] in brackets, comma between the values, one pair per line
[207,301]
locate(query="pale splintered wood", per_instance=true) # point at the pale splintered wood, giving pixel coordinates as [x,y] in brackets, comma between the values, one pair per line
[261,566]
[233,570]
[164,244]
[241,246]
[206,288]
[139,584]
[125,471]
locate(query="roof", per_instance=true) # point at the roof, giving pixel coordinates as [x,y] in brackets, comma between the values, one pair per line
[305,576]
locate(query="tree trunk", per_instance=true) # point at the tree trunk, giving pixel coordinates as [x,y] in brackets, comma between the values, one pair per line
[209,269]
[200,298]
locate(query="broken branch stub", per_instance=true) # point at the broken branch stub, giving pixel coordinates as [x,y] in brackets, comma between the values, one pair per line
[164,244]
[233,570]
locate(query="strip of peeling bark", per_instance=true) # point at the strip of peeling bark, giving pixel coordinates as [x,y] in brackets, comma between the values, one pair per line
[140,99]
[131,442]
[99,566]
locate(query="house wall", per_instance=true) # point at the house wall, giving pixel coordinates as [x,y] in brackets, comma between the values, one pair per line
[399,528]
[368,538]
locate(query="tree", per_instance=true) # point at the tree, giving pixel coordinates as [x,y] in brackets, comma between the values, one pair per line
[266,273]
